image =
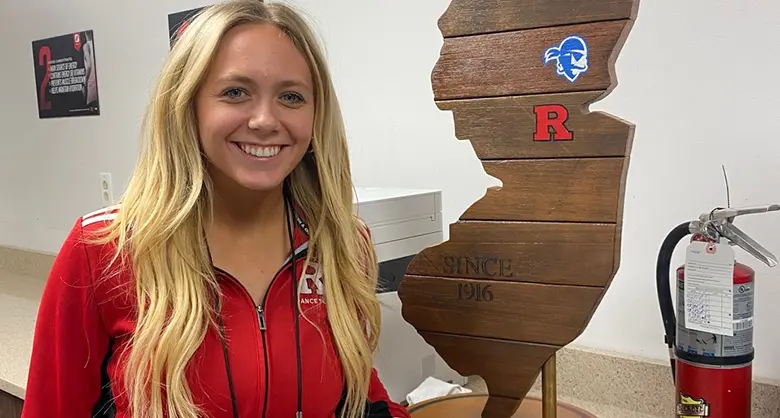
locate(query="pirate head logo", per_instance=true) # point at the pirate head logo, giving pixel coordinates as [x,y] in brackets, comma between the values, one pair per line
[570,57]
[690,407]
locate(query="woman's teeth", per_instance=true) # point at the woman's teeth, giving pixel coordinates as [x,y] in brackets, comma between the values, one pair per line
[259,151]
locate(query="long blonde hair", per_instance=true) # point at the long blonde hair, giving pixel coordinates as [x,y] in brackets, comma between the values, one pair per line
[159,229]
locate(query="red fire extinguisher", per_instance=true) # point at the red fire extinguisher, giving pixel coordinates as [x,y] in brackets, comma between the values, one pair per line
[711,356]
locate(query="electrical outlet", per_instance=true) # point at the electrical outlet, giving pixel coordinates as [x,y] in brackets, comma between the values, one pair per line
[106,189]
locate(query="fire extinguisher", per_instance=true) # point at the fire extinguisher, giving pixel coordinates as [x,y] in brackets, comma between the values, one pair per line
[712,371]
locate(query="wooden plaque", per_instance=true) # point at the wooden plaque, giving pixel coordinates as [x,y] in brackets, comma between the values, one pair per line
[527,265]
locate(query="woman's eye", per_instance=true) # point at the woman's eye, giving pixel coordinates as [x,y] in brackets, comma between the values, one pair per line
[292,98]
[233,93]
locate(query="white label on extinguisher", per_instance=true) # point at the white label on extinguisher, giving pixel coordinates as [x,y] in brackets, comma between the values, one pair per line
[709,288]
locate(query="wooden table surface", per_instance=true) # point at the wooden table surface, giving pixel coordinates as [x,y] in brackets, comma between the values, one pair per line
[470,405]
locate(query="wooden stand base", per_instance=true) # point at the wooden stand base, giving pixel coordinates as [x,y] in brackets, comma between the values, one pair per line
[470,405]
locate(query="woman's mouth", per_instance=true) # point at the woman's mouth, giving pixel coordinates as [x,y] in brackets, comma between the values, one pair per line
[259,151]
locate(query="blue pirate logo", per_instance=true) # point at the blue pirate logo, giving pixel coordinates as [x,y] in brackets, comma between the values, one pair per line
[571,57]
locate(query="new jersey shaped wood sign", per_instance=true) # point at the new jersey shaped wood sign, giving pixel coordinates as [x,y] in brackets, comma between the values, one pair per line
[526,266]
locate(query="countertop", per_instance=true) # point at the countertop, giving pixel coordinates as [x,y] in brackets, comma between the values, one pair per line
[600,410]
[19,300]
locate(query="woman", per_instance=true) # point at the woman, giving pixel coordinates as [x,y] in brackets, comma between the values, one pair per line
[204,293]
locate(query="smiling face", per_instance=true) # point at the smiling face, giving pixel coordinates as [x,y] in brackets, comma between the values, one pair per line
[255,110]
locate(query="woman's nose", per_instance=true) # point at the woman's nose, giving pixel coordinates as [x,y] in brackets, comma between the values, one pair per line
[264,116]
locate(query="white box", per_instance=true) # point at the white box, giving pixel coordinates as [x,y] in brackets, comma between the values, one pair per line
[403,222]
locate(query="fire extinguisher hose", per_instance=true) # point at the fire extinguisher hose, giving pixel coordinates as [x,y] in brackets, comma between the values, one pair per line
[663,287]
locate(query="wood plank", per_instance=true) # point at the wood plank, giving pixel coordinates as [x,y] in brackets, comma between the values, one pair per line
[527,312]
[470,17]
[495,361]
[513,63]
[556,253]
[10,405]
[539,126]
[570,190]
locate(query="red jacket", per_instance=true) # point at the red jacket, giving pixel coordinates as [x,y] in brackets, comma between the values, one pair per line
[84,317]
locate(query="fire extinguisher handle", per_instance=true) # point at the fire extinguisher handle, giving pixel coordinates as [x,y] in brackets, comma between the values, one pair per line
[730,213]
[719,224]
[743,240]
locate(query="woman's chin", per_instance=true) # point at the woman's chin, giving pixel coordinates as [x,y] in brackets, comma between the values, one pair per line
[238,180]
[261,184]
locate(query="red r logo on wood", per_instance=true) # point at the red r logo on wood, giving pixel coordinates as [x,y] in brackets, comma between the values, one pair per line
[550,123]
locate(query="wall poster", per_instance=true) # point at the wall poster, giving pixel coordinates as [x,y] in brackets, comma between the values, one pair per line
[178,21]
[65,75]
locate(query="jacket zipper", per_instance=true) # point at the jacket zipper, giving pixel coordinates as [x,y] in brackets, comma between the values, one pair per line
[264,326]
[261,316]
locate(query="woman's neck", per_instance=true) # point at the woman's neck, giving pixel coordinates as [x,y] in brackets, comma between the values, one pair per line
[248,235]
[242,212]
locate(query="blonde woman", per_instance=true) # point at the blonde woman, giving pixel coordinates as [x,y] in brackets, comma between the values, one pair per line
[233,280]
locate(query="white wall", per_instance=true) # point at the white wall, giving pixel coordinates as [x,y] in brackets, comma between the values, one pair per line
[696,77]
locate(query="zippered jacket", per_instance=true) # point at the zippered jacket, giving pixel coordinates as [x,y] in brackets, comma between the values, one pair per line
[86,318]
